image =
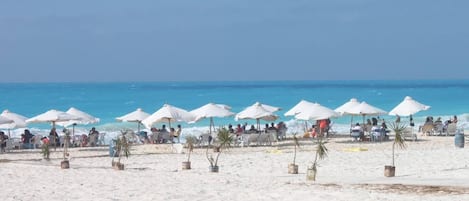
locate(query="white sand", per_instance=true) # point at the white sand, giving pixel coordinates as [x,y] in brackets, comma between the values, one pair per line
[429,169]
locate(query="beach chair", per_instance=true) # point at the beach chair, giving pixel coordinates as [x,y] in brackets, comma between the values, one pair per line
[356,134]
[409,134]
[451,130]
[376,135]
[427,129]
[265,139]
[204,140]
[282,134]
[247,139]
[438,129]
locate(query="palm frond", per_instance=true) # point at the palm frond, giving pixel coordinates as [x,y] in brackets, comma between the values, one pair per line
[399,129]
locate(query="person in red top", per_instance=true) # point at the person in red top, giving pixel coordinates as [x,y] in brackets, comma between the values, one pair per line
[323,126]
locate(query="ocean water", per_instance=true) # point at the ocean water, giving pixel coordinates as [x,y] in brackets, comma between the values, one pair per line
[110,100]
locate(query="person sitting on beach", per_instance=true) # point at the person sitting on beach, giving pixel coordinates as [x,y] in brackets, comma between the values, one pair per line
[272,127]
[54,137]
[93,136]
[230,128]
[384,129]
[357,131]
[3,141]
[266,128]
[163,129]
[172,133]
[178,132]
[322,127]
[239,130]
[26,137]
[455,119]
[374,121]
[252,129]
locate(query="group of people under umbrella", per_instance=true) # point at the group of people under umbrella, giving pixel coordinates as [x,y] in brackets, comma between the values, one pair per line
[304,110]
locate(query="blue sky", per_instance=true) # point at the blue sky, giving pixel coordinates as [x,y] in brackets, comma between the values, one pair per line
[182,40]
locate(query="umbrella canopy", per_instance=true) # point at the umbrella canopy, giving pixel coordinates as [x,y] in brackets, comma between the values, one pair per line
[347,106]
[136,116]
[84,118]
[52,116]
[257,112]
[19,121]
[303,105]
[4,120]
[211,110]
[268,107]
[316,112]
[168,113]
[365,109]
[408,107]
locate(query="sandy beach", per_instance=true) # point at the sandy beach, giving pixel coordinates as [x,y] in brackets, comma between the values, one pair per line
[431,168]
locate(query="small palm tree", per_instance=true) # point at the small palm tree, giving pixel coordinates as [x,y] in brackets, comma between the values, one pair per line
[293,168]
[297,145]
[190,141]
[224,140]
[122,149]
[399,140]
[321,152]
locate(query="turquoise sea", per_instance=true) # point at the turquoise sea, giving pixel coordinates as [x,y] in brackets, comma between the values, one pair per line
[110,100]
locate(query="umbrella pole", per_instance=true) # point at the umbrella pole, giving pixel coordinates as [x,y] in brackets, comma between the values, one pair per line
[258,124]
[73,133]
[138,126]
[210,126]
[55,144]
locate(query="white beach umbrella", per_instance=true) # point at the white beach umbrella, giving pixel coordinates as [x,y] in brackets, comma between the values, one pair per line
[299,107]
[316,112]
[268,107]
[84,118]
[408,107]
[353,102]
[365,109]
[257,112]
[52,116]
[4,120]
[19,121]
[136,116]
[168,113]
[211,110]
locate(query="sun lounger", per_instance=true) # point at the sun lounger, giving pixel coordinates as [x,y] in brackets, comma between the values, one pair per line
[408,134]
[451,130]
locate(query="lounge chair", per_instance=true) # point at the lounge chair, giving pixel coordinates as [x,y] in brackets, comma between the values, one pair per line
[409,134]
[427,129]
[451,130]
